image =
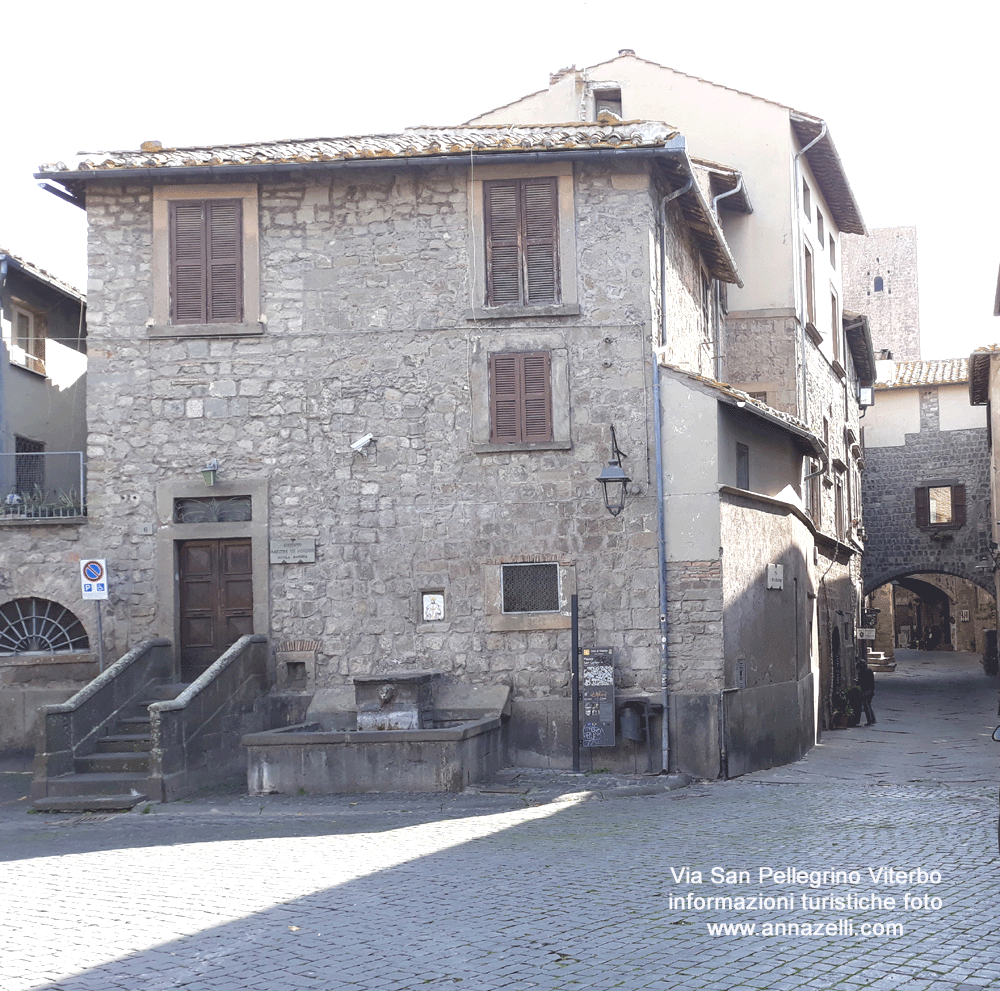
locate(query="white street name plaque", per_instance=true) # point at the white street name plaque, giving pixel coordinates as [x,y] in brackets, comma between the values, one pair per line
[295,550]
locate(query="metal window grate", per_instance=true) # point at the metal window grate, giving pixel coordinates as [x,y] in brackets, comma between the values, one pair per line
[39,626]
[530,588]
[228,509]
[29,465]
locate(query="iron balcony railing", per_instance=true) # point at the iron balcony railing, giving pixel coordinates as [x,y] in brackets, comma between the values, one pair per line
[42,485]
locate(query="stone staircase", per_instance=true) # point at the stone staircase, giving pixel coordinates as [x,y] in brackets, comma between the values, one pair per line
[877,661]
[114,776]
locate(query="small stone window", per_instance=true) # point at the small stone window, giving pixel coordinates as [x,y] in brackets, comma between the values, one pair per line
[879,284]
[530,588]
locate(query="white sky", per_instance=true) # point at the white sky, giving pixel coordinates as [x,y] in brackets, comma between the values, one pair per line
[911,97]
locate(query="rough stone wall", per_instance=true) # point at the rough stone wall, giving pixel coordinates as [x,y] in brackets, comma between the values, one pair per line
[690,337]
[894,312]
[895,545]
[833,397]
[694,621]
[365,282]
[760,354]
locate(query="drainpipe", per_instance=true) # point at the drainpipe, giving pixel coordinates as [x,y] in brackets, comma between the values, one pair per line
[717,293]
[661,527]
[802,316]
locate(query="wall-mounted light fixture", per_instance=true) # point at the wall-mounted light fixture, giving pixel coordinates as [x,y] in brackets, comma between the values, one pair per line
[209,472]
[614,480]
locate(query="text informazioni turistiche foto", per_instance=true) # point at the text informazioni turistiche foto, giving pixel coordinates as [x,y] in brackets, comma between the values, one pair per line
[853,903]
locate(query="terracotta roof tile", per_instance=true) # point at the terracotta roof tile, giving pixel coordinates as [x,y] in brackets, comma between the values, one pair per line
[940,371]
[414,142]
[40,273]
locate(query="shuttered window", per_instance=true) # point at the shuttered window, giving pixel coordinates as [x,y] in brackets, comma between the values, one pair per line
[522,242]
[940,506]
[520,397]
[206,261]
[28,339]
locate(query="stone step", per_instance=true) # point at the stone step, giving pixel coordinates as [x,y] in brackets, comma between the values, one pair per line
[95,783]
[116,743]
[88,803]
[129,762]
[134,725]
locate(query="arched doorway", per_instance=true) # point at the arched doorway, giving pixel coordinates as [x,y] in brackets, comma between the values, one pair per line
[931,611]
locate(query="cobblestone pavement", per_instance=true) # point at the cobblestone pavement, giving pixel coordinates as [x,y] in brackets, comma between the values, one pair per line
[548,884]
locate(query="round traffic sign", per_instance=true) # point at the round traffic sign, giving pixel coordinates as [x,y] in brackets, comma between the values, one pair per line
[93,571]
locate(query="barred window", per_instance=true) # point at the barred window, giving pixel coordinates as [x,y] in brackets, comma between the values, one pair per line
[39,626]
[530,588]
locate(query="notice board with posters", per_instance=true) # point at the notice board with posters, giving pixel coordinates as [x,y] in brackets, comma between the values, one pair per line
[597,695]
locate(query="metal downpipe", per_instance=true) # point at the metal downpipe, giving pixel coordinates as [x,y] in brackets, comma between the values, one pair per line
[661,528]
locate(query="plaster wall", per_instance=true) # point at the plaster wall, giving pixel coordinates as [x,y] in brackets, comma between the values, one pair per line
[895,414]
[761,147]
[955,412]
[50,408]
[690,471]
[769,663]
[775,464]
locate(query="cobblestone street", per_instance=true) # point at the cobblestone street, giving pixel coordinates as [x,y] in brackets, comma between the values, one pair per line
[551,884]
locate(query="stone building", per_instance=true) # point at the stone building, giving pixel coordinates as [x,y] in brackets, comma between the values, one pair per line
[880,280]
[786,336]
[404,356]
[926,491]
[44,650]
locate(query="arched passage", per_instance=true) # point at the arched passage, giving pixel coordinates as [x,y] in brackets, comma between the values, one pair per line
[932,611]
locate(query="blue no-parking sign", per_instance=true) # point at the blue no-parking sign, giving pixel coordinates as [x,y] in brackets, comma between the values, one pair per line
[94,578]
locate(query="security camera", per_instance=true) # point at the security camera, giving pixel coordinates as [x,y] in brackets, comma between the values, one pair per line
[362,442]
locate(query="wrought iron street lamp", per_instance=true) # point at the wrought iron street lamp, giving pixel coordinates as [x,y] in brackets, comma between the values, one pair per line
[614,480]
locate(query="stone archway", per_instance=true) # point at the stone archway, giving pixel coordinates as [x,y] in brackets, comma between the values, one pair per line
[937,610]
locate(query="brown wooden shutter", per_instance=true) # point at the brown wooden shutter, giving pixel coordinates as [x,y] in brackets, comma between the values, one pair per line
[541,240]
[188,278]
[536,392]
[225,261]
[504,419]
[503,254]
[521,217]
[41,333]
[922,506]
[206,261]
[520,397]
[958,504]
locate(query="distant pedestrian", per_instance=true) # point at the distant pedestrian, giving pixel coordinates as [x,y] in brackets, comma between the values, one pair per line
[866,682]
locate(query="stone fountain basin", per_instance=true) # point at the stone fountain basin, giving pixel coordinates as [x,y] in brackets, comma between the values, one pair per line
[465,744]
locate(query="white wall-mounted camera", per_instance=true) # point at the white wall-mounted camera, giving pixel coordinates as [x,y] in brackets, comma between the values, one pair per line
[362,442]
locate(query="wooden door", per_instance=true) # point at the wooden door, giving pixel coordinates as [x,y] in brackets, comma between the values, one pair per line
[216,600]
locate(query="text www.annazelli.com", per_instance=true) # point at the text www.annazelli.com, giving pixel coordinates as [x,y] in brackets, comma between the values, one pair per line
[844,928]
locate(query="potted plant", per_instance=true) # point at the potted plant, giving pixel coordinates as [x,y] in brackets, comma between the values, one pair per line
[843,713]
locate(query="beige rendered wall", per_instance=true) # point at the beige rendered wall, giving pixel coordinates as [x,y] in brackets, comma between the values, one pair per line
[720,124]
[895,414]
[955,410]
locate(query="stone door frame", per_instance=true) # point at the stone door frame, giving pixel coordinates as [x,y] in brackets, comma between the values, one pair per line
[169,534]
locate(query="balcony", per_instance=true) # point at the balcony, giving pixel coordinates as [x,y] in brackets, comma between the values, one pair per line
[42,487]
